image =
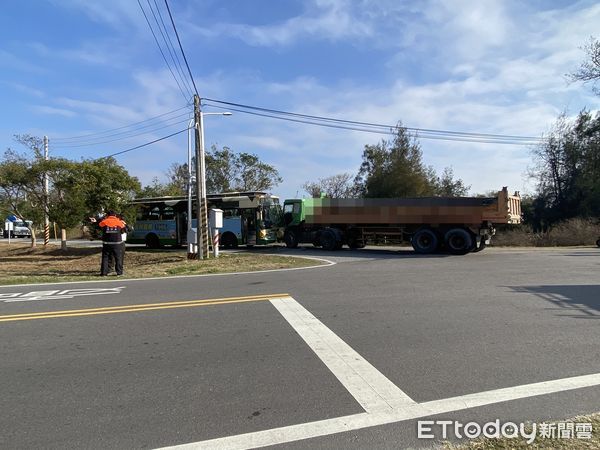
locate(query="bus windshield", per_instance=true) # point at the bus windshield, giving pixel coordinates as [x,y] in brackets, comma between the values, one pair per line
[271,213]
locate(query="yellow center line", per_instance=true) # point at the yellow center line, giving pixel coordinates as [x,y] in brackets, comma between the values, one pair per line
[137,308]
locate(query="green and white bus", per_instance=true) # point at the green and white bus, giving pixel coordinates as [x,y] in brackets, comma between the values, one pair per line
[249,218]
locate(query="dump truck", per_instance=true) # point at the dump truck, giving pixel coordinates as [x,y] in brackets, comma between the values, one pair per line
[457,225]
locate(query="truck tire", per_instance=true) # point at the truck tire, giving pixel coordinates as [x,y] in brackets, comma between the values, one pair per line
[458,241]
[355,240]
[425,241]
[291,239]
[328,240]
[356,244]
[598,242]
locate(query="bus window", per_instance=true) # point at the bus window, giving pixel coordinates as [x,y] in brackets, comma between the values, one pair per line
[230,213]
[168,213]
[153,214]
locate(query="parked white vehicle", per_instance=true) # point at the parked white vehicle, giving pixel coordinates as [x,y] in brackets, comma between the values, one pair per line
[17,228]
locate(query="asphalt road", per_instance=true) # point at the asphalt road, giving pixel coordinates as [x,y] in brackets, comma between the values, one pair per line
[345,356]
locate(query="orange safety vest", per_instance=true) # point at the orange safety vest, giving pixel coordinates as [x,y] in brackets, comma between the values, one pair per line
[112,227]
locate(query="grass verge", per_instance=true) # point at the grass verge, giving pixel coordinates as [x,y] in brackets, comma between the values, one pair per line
[21,264]
[539,442]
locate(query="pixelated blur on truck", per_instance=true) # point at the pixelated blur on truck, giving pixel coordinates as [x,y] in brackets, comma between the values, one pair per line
[14,228]
[457,225]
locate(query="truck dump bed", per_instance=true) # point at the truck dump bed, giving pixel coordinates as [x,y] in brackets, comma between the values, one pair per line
[503,209]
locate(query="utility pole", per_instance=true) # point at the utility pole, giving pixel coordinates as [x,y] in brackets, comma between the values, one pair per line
[201,212]
[46,200]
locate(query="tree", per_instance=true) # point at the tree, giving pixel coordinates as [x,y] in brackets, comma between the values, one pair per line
[22,182]
[154,189]
[77,190]
[447,186]
[567,170]
[395,169]
[107,185]
[177,175]
[589,70]
[228,171]
[18,191]
[335,186]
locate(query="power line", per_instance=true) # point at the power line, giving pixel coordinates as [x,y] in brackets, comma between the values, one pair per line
[389,131]
[99,133]
[181,71]
[169,45]
[379,128]
[144,145]
[376,125]
[181,47]
[129,136]
[161,51]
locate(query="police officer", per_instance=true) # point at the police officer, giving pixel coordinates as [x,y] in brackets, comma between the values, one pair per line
[112,243]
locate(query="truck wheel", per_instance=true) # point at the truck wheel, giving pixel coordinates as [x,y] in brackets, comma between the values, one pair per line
[598,242]
[328,240]
[425,241]
[290,239]
[353,244]
[152,241]
[458,241]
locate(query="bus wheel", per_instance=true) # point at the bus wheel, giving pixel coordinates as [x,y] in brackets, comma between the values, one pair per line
[424,241]
[152,241]
[229,240]
[458,241]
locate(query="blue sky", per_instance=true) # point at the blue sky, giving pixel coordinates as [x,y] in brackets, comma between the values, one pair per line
[75,67]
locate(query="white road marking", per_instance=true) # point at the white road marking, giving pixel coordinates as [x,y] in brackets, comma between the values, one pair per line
[366,384]
[511,393]
[336,425]
[383,401]
[11,297]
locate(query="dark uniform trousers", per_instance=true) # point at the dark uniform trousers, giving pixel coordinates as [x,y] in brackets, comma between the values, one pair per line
[112,251]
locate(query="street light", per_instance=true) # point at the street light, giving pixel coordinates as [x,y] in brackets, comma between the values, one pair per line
[201,183]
